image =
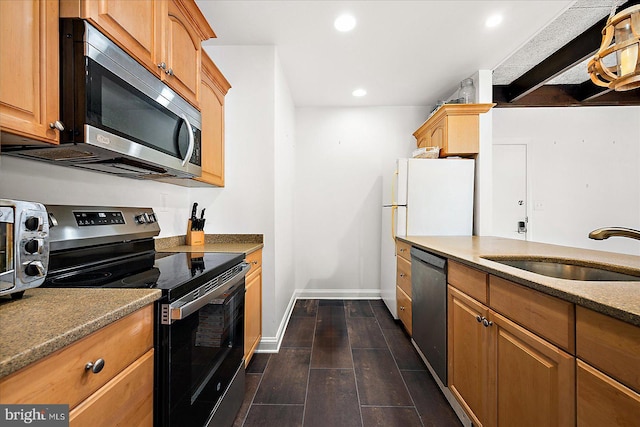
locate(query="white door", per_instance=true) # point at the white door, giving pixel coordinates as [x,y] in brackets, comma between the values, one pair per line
[510,191]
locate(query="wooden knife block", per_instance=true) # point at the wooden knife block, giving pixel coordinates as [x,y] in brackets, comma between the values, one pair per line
[194,238]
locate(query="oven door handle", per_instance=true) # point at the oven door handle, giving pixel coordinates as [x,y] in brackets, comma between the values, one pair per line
[180,309]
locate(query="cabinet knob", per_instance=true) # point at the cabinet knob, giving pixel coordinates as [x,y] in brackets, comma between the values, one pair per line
[479,318]
[162,65]
[487,323]
[95,367]
[401,274]
[402,250]
[254,262]
[169,71]
[402,307]
[57,125]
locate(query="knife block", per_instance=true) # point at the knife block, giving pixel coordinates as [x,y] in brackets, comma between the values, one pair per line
[194,237]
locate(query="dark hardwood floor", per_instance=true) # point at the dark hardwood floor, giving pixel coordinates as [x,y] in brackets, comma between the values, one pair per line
[342,363]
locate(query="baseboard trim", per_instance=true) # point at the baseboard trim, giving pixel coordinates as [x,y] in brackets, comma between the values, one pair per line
[272,344]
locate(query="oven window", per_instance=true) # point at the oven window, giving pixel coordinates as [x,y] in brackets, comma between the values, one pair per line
[206,349]
[117,107]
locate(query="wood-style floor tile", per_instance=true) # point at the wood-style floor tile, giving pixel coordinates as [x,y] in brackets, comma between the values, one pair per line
[331,341]
[258,363]
[285,379]
[364,332]
[331,302]
[390,417]
[378,379]
[403,351]
[433,408]
[332,399]
[299,332]
[305,307]
[384,317]
[274,415]
[250,387]
[358,308]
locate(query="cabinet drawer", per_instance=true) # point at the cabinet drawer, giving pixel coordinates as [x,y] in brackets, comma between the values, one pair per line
[131,392]
[255,259]
[403,278]
[404,250]
[62,378]
[549,317]
[404,309]
[469,280]
[602,401]
[609,344]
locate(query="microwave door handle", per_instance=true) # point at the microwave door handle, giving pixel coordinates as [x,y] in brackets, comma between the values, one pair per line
[191,140]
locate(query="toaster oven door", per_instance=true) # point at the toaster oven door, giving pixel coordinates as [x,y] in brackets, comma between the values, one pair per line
[6,248]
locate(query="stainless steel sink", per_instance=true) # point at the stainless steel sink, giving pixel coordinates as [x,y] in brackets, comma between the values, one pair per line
[565,269]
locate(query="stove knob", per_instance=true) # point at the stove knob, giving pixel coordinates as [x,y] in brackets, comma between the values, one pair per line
[140,219]
[152,218]
[33,223]
[34,268]
[34,246]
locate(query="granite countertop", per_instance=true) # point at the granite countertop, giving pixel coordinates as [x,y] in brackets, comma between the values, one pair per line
[47,319]
[234,243]
[616,299]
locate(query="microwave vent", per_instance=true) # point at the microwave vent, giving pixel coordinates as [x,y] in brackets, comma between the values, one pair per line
[61,154]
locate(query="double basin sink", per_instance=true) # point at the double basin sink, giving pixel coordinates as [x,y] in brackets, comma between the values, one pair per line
[568,269]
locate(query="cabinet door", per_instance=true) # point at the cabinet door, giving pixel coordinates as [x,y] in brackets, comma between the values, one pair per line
[212,91]
[404,310]
[29,87]
[602,401]
[467,348]
[437,136]
[182,54]
[135,25]
[253,314]
[534,380]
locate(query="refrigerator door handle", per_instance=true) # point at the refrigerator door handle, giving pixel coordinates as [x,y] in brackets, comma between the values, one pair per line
[394,208]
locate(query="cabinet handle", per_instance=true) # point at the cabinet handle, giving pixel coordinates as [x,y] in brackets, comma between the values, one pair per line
[402,308]
[254,262]
[162,65]
[479,318]
[95,367]
[487,323]
[402,250]
[401,274]
[57,125]
[169,71]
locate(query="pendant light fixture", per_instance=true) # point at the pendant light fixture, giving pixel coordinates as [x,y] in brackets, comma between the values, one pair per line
[620,41]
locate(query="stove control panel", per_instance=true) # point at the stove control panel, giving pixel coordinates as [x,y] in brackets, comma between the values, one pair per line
[84,219]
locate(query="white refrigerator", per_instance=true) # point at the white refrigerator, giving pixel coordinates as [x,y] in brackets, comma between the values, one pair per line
[426,197]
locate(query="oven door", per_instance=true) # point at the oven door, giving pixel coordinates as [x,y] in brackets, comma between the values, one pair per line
[199,356]
[7,272]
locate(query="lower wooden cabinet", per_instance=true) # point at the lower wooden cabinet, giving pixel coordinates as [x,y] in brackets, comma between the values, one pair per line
[403,285]
[405,312]
[122,391]
[253,305]
[503,374]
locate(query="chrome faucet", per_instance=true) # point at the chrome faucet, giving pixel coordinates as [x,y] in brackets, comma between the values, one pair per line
[605,233]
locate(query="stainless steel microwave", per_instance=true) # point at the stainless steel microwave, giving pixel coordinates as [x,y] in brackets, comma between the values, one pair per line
[24,246]
[116,116]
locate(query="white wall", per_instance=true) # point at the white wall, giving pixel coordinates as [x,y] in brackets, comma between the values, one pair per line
[342,157]
[584,171]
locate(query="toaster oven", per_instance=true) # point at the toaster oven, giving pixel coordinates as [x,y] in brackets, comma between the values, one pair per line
[24,246]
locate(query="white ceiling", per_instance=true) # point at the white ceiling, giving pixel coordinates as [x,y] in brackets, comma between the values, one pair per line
[402,52]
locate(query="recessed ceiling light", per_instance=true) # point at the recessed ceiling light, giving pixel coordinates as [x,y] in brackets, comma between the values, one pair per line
[345,22]
[359,92]
[493,21]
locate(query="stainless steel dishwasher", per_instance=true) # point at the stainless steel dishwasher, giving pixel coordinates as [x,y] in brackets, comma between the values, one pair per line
[429,308]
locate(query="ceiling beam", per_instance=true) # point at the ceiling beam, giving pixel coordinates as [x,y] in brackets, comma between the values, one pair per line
[565,96]
[569,55]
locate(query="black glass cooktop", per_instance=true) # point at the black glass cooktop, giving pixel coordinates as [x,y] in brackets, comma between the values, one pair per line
[174,273]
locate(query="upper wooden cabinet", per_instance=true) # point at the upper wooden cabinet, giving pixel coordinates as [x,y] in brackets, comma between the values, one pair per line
[163,35]
[29,88]
[454,128]
[213,89]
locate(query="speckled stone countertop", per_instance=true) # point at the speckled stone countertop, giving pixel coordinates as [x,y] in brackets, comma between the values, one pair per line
[235,243]
[617,299]
[47,319]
